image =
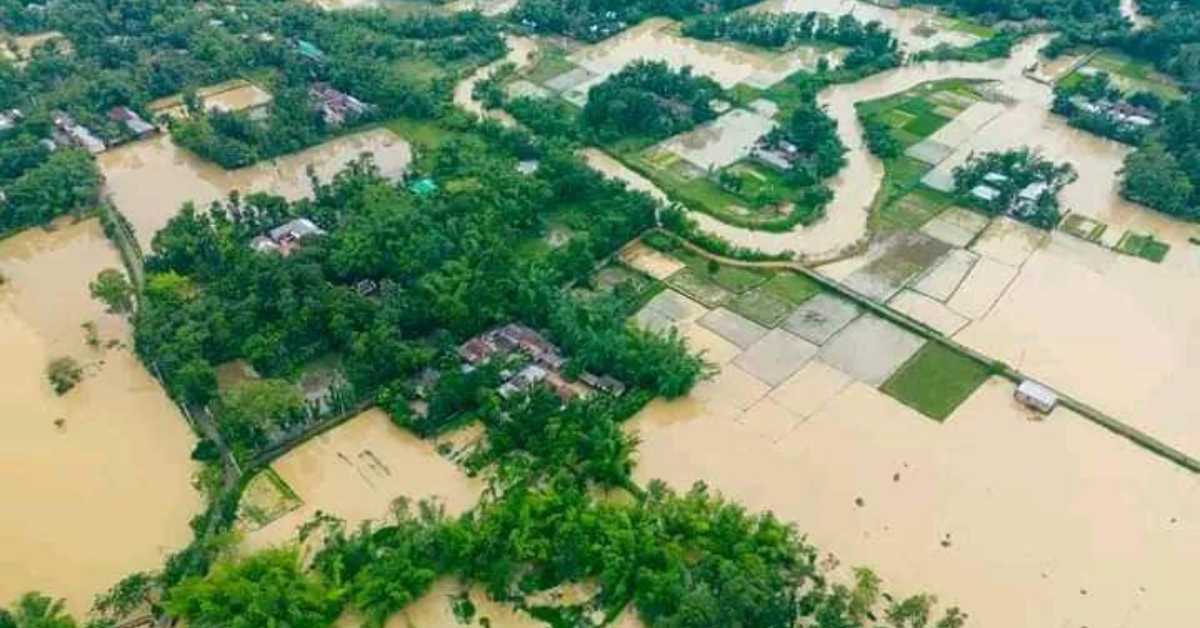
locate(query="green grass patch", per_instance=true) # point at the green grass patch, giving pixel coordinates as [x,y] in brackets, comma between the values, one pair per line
[936,381]
[793,287]
[756,205]
[762,306]
[1083,227]
[1130,75]
[701,286]
[969,27]
[426,132]
[266,498]
[552,62]
[926,124]
[1144,246]
[732,278]
[910,212]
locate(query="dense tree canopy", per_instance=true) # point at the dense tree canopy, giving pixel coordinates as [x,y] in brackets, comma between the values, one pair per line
[648,98]
[593,20]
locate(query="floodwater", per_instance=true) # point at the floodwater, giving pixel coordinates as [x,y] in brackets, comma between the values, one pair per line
[656,40]
[521,53]
[916,29]
[234,95]
[358,469]
[149,180]
[1117,331]
[97,482]
[608,166]
[486,7]
[338,5]
[1083,528]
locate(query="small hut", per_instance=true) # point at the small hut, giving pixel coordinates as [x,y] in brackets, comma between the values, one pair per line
[1036,396]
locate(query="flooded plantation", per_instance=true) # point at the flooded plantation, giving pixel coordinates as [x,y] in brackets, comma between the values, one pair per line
[109,459]
[148,181]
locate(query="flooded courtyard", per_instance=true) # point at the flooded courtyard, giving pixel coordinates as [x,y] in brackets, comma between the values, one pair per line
[112,452]
[148,181]
[357,470]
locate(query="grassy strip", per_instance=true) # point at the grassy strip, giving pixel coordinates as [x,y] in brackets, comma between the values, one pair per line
[936,380]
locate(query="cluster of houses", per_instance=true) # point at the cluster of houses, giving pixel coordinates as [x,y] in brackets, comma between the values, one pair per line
[1026,201]
[337,107]
[605,25]
[1120,112]
[544,367]
[780,153]
[287,237]
[67,132]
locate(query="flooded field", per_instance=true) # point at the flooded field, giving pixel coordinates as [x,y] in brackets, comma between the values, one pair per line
[99,478]
[235,95]
[720,143]
[657,40]
[916,29]
[149,180]
[989,507]
[358,469]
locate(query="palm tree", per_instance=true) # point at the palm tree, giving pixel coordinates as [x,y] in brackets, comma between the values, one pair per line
[35,610]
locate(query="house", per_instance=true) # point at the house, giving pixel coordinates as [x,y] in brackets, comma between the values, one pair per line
[1036,396]
[366,287]
[528,166]
[995,178]
[523,381]
[1033,192]
[423,187]
[985,193]
[780,154]
[10,118]
[138,127]
[310,51]
[337,107]
[287,237]
[77,134]
[603,383]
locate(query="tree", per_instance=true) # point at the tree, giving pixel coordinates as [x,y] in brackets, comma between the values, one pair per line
[34,610]
[249,412]
[114,290]
[1153,177]
[64,373]
[266,589]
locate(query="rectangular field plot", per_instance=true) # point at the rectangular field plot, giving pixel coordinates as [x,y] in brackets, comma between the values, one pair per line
[936,381]
[870,349]
[821,317]
[762,307]
[697,285]
[733,327]
[776,357]
[793,287]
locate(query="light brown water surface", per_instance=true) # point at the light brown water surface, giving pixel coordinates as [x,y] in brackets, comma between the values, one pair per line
[149,180]
[1083,528]
[96,483]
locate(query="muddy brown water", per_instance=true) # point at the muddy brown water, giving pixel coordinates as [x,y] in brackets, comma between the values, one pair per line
[358,469]
[987,508]
[150,180]
[97,483]
[521,53]
[916,29]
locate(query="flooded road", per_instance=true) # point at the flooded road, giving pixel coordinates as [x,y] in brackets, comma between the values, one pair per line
[148,181]
[989,507]
[97,482]
[521,53]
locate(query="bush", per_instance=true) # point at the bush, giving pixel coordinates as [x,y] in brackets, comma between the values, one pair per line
[64,373]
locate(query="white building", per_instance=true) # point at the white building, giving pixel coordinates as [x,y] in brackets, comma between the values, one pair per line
[1036,396]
